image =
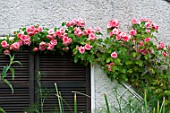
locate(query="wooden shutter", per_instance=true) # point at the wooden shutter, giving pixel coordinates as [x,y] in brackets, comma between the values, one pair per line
[23,92]
[68,76]
[54,69]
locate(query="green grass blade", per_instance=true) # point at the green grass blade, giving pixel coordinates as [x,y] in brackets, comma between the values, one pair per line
[162,105]
[9,84]
[12,72]
[107,104]
[59,99]
[145,101]
[75,103]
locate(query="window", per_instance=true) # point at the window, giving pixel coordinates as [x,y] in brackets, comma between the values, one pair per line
[54,68]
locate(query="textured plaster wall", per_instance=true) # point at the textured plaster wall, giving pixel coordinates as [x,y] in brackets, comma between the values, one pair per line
[20,13]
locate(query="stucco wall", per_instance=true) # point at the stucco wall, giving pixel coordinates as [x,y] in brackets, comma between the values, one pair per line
[20,13]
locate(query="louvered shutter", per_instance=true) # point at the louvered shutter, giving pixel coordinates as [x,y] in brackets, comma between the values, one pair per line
[23,92]
[69,77]
[54,69]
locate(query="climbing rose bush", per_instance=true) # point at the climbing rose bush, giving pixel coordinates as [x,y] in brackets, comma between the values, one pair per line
[136,57]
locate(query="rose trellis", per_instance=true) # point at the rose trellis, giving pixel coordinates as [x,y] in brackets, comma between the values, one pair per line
[130,57]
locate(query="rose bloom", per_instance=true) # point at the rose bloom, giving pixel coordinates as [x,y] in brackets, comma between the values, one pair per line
[88,31]
[114,55]
[118,37]
[115,31]
[50,46]
[164,54]
[77,31]
[97,29]
[113,23]
[147,30]
[4,44]
[132,32]
[31,30]
[53,42]
[80,22]
[15,46]
[35,49]
[147,39]
[148,25]
[155,26]
[39,29]
[65,48]
[88,46]
[81,49]
[134,21]
[91,36]
[51,31]
[6,52]
[161,45]
[110,66]
[125,38]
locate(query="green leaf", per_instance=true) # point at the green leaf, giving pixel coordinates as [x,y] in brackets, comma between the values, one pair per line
[108,60]
[12,72]
[2,110]
[16,62]
[4,71]
[9,84]
[64,23]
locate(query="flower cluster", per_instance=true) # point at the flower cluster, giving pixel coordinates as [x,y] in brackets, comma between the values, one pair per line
[131,57]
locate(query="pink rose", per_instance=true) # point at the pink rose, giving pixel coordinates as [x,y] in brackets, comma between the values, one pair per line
[39,29]
[65,48]
[31,30]
[51,31]
[53,42]
[132,32]
[164,54]
[81,49]
[88,31]
[126,38]
[97,29]
[148,25]
[88,46]
[50,46]
[65,40]
[77,31]
[147,39]
[4,44]
[49,37]
[123,34]
[91,37]
[118,37]
[19,35]
[155,26]
[6,52]
[144,20]
[147,30]
[161,45]
[42,46]
[80,22]
[113,23]
[35,49]
[114,55]
[134,21]
[15,46]
[115,31]
[109,66]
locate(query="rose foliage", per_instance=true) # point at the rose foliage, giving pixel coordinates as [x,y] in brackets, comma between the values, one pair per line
[136,57]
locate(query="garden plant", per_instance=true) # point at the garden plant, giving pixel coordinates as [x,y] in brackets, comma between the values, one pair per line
[137,57]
